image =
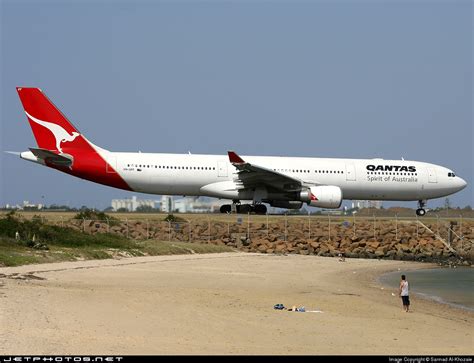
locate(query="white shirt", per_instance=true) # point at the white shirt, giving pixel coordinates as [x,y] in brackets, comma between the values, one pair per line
[404,288]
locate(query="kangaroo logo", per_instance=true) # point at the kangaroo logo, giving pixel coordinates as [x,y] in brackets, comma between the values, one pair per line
[59,133]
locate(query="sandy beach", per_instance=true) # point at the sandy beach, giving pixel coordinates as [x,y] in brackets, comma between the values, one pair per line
[221,304]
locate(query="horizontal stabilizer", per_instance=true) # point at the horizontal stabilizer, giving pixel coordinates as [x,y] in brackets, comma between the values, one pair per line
[53,158]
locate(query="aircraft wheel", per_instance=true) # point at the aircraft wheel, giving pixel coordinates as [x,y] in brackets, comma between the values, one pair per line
[244,208]
[260,209]
[226,208]
[420,212]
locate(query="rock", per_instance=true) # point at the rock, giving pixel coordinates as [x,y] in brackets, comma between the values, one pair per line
[420,257]
[40,246]
[357,250]
[280,247]
[322,252]
[369,255]
[384,248]
[292,238]
[345,242]
[379,253]
[404,248]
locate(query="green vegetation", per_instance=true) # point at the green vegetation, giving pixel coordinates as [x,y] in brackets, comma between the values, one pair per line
[146,209]
[35,230]
[32,241]
[173,219]
[93,215]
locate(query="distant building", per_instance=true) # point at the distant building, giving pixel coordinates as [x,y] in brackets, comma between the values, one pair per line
[167,204]
[131,204]
[366,204]
[25,206]
[197,205]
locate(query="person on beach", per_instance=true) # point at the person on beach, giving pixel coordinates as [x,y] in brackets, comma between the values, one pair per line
[403,292]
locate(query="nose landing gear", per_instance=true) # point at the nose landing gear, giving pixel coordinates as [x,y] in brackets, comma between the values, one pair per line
[421,208]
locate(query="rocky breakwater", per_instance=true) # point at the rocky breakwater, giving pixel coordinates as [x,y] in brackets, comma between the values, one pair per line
[390,239]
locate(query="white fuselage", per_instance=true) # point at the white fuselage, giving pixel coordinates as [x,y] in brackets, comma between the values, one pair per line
[214,175]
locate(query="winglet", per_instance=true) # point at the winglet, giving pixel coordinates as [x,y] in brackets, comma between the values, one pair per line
[234,158]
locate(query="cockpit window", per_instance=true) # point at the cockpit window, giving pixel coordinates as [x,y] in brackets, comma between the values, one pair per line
[451,175]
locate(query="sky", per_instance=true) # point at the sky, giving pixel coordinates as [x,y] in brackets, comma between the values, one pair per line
[352,79]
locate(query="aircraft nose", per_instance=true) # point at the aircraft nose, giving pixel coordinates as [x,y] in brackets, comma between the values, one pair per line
[461,183]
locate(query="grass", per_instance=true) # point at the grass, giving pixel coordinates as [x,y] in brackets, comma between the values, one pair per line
[179,248]
[67,244]
[14,254]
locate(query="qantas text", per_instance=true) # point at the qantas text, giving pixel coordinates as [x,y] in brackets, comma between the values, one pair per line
[410,169]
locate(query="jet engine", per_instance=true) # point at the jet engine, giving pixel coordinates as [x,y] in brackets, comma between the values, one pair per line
[324,196]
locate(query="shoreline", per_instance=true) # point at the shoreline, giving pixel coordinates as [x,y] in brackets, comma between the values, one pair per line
[221,304]
[427,296]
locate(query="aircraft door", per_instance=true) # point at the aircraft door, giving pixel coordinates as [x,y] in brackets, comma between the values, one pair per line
[350,172]
[432,178]
[222,168]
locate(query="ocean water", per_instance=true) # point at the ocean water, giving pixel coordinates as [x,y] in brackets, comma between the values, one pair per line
[454,286]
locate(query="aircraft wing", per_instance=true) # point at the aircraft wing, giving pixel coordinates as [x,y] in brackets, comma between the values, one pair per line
[251,175]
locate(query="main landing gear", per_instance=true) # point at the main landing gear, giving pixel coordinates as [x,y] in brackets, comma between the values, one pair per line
[421,208]
[244,208]
[226,208]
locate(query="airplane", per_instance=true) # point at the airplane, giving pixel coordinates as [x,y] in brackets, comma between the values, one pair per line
[283,182]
